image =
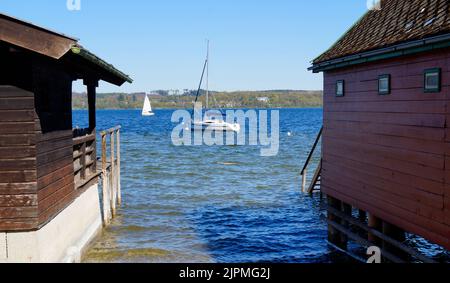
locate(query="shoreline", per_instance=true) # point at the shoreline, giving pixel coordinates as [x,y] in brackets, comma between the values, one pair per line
[237,108]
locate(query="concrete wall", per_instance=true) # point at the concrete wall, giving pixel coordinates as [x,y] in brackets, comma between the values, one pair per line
[64,239]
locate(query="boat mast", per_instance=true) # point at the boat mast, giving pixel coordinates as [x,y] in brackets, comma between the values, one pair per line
[207,76]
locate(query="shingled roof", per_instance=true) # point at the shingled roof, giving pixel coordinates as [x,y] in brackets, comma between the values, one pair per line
[397,21]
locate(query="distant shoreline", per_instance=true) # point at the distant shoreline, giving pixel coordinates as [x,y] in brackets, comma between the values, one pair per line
[275,99]
[156,109]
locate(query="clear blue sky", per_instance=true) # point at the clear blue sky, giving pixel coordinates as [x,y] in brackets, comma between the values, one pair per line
[255,44]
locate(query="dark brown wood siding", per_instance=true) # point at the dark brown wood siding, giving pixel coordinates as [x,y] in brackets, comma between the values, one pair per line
[390,154]
[55,181]
[54,148]
[36,148]
[18,174]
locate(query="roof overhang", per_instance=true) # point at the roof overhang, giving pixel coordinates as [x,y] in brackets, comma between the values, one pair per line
[115,76]
[34,38]
[402,49]
[56,46]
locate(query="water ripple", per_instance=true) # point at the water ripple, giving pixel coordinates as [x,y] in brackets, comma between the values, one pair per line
[211,204]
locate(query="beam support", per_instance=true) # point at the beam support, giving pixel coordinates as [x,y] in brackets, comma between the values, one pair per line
[376,224]
[334,235]
[92,85]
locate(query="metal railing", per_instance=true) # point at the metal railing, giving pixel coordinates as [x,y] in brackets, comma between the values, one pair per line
[318,170]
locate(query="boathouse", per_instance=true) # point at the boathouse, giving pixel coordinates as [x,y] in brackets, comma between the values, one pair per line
[49,200]
[386,135]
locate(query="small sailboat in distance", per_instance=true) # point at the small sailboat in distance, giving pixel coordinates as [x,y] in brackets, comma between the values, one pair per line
[147,109]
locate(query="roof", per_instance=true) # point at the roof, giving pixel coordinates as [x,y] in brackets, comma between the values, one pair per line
[55,45]
[398,21]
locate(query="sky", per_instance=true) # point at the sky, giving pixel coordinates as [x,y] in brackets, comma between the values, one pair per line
[161,44]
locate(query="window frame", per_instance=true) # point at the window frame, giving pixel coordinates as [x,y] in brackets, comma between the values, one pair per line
[343,88]
[388,91]
[439,87]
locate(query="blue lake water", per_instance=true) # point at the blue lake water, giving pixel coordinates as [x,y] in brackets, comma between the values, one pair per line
[212,204]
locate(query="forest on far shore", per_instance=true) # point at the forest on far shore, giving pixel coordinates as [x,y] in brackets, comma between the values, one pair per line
[237,99]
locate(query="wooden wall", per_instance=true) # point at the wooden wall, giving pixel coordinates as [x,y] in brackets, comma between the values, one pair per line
[36,142]
[390,155]
[55,171]
[18,173]
[55,176]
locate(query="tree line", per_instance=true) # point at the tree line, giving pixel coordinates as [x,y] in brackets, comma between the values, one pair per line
[237,99]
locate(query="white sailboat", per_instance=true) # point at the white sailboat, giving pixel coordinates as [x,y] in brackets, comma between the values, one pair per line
[216,122]
[147,109]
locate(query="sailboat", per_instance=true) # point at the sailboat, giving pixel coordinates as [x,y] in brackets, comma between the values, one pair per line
[147,109]
[215,122]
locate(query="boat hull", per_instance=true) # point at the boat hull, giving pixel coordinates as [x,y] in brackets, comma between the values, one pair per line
[216,126]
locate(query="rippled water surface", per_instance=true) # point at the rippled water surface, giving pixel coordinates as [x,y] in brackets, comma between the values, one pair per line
[212,204]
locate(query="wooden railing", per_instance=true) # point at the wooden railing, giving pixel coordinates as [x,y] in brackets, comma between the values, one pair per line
[84,157]
[317,172]
[110,173]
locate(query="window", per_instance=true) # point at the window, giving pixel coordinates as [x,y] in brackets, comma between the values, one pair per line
[340,88]
[432,79]
[384,84]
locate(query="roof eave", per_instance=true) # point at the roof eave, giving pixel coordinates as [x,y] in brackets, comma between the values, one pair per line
[91,57]
[401,49]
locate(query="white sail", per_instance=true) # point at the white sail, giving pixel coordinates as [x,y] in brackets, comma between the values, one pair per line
[147,109]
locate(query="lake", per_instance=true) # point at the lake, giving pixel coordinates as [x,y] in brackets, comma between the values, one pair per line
[212,204]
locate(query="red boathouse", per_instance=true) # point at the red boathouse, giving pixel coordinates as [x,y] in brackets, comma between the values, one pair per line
[386,135]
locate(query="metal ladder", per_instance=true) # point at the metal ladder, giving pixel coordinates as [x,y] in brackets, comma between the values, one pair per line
[315,183]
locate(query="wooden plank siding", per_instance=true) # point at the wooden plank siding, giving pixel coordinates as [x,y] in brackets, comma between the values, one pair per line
[18,174]
[36,167]
[55,173]
[54,146]
[390,154]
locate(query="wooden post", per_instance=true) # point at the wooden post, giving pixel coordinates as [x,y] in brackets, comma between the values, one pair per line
[334,236]
[119,187]
[113,170]
[347,210]
[376,224]
[94,152]
[362,215]
[91,84]
[397,234]
[105,190]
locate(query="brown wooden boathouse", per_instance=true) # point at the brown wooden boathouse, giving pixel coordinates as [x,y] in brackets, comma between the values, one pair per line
[386,136]
[45,166]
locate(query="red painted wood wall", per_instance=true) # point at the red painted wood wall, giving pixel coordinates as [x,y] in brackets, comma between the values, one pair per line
[390,155]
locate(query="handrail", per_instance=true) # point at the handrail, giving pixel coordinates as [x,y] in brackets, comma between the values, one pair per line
[110,131]
[312,151]
[84,155]
[83,139]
